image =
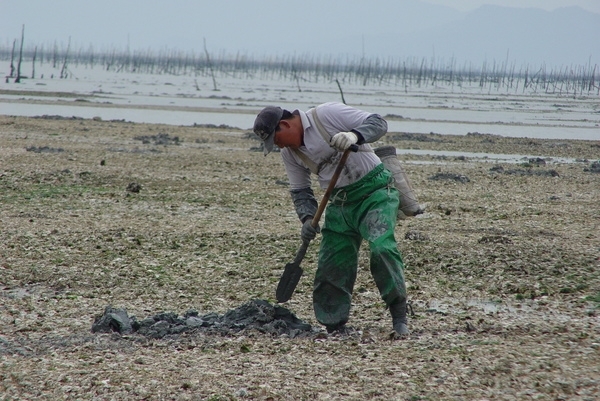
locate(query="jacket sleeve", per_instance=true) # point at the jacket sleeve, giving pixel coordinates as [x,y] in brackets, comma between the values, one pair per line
[304,202]
[373,128]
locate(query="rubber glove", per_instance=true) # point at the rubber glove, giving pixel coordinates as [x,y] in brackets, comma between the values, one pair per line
[343,140]
[309,232]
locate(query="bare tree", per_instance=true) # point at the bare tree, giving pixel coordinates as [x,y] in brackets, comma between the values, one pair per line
[212,72]
[12,58]
[341,92]
[18,79]
[63,70]
[54,55]
[33,63]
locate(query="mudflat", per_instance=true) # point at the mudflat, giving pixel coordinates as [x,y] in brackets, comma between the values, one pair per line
[186,229]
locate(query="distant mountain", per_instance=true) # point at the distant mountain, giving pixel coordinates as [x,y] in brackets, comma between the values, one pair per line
[562,37]
[415,29]
[350,27]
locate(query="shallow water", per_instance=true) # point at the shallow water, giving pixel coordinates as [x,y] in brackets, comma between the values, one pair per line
[186,100]
[244,120]
[481,157]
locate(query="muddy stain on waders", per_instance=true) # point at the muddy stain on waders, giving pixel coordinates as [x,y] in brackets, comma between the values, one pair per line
[376,224]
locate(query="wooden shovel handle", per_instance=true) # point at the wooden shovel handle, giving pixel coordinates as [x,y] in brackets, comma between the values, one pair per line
[334,178]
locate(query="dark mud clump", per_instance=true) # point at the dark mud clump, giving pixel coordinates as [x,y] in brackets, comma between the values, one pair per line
[214,126]
[43,149]
[525,172]
[160,139]
[255,315]
[406,136]
[134,187]
[57,117]
[537,161]
[449,177]
[594,167]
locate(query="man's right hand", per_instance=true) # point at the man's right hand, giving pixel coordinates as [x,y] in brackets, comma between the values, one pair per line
[343,140]
[309,232]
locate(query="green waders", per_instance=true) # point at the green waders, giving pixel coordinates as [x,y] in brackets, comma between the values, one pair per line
[366,210]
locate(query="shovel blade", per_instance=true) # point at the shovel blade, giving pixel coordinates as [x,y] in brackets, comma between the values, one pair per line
[288,282]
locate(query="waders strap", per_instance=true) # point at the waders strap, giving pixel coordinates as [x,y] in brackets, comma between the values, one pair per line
[320,126]
[312,166]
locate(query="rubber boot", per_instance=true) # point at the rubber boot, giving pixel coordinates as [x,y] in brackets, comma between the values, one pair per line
[337,328]
[399,320]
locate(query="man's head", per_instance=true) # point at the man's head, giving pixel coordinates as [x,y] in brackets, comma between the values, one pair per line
[280,127]
[265,125]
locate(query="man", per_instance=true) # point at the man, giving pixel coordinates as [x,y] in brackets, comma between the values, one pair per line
[363,204]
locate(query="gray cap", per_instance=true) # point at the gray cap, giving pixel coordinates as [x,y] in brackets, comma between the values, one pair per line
[265,124]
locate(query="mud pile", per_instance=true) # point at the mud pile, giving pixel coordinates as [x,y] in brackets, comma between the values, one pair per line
[256,314]
[594,167]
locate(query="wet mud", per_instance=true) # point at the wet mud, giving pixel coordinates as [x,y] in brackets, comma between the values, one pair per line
[502,272]
[255,315]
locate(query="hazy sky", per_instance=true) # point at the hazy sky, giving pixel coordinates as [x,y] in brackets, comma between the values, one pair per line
[255,27]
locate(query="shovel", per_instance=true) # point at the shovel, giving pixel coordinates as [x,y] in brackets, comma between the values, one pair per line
[292,271]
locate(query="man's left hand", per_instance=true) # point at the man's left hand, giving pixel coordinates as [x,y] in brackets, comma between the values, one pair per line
[308,232]
[343,140]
